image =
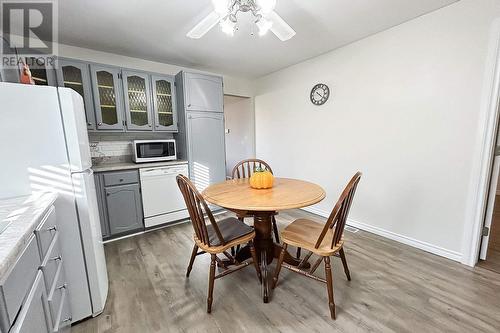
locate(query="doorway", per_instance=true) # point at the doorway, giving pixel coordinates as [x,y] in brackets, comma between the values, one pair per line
[240,130]
[489,256]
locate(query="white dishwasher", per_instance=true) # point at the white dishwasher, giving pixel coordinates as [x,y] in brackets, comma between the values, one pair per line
[161,198]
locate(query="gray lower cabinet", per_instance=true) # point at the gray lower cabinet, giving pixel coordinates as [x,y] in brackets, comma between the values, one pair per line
[120,203]
[124,208]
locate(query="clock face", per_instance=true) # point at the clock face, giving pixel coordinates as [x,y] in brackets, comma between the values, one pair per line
[320,94]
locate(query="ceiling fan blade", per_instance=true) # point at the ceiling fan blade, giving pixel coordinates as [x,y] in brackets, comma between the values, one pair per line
[280,28]
[204,26]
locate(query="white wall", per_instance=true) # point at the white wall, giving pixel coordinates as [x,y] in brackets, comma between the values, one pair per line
[232,85]
[240,121]
[404,111]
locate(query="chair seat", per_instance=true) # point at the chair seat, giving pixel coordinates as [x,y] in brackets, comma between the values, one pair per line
[304,233]
[231,228]
[233,231]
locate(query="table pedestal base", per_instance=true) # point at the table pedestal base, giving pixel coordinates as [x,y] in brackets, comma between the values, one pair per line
[266,250]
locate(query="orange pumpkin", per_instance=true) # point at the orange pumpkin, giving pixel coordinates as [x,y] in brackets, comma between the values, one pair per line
[261,179]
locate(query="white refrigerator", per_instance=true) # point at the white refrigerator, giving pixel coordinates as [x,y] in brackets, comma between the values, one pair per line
[44,146]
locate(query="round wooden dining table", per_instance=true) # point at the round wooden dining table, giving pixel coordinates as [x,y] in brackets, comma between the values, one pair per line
[236,195]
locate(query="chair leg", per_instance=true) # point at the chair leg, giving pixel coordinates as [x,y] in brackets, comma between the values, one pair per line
[211,279]
[298,252]
[329,286]
[344,262]
[191,261]
[255,260]
[278,265]
[276,231]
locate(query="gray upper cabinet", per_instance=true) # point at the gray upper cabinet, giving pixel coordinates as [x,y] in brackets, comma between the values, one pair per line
[76,75]
[137,96]
[42,75]
[124,208]
[106,86]
[164,103]
[206,149]
[203,92]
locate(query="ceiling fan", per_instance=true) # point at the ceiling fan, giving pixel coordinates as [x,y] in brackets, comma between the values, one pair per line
[225,13]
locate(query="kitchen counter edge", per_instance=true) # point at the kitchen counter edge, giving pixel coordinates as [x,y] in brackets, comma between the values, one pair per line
[130,165]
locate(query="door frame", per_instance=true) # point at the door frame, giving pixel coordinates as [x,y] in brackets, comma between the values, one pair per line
[253,129]
[484,156]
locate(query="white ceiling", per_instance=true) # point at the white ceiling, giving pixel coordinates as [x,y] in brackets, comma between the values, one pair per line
[156,30]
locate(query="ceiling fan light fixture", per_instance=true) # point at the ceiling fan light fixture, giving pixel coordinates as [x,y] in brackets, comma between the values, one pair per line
[227,26]
[264,25]
[225,13]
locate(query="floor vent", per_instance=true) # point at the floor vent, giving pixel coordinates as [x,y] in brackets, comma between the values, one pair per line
[351,229]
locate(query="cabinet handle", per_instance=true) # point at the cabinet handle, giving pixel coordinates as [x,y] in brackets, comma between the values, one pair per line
[121,179]
[67,319]
[64,286]
[189,105]
[89,124]
[56,258]
[54,228]
[150,125]
[99,124]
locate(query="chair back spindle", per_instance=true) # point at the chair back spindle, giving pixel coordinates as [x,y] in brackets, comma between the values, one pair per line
[198,209]
[246,168]
[338,217]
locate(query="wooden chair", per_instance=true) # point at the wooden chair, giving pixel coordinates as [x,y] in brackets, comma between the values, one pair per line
[323,240]
[245,169]
[216,237]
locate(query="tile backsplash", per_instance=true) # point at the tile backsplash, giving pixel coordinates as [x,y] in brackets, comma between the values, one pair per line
[119,144]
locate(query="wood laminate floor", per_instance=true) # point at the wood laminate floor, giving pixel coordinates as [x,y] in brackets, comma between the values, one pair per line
[394,288]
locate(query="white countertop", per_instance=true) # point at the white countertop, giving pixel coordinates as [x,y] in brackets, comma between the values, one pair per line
[131,165]
[21,215]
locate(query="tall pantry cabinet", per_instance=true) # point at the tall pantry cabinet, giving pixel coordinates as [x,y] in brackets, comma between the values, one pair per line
[200,139]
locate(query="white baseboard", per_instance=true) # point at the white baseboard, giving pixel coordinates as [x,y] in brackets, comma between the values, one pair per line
[437,250]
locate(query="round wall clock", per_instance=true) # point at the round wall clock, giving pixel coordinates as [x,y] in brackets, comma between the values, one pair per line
[320,94]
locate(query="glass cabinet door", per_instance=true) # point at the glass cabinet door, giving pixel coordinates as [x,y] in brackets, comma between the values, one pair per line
[108,107]
[76,75]
[137,100]
[41,75]
[164,103]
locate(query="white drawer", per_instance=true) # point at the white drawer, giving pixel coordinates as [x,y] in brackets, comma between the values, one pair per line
[51,262]
[15,287]
[59,286]
[33,316]
[63,318]
[46,231]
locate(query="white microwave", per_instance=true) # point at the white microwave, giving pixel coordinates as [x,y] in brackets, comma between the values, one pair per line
[153,150]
